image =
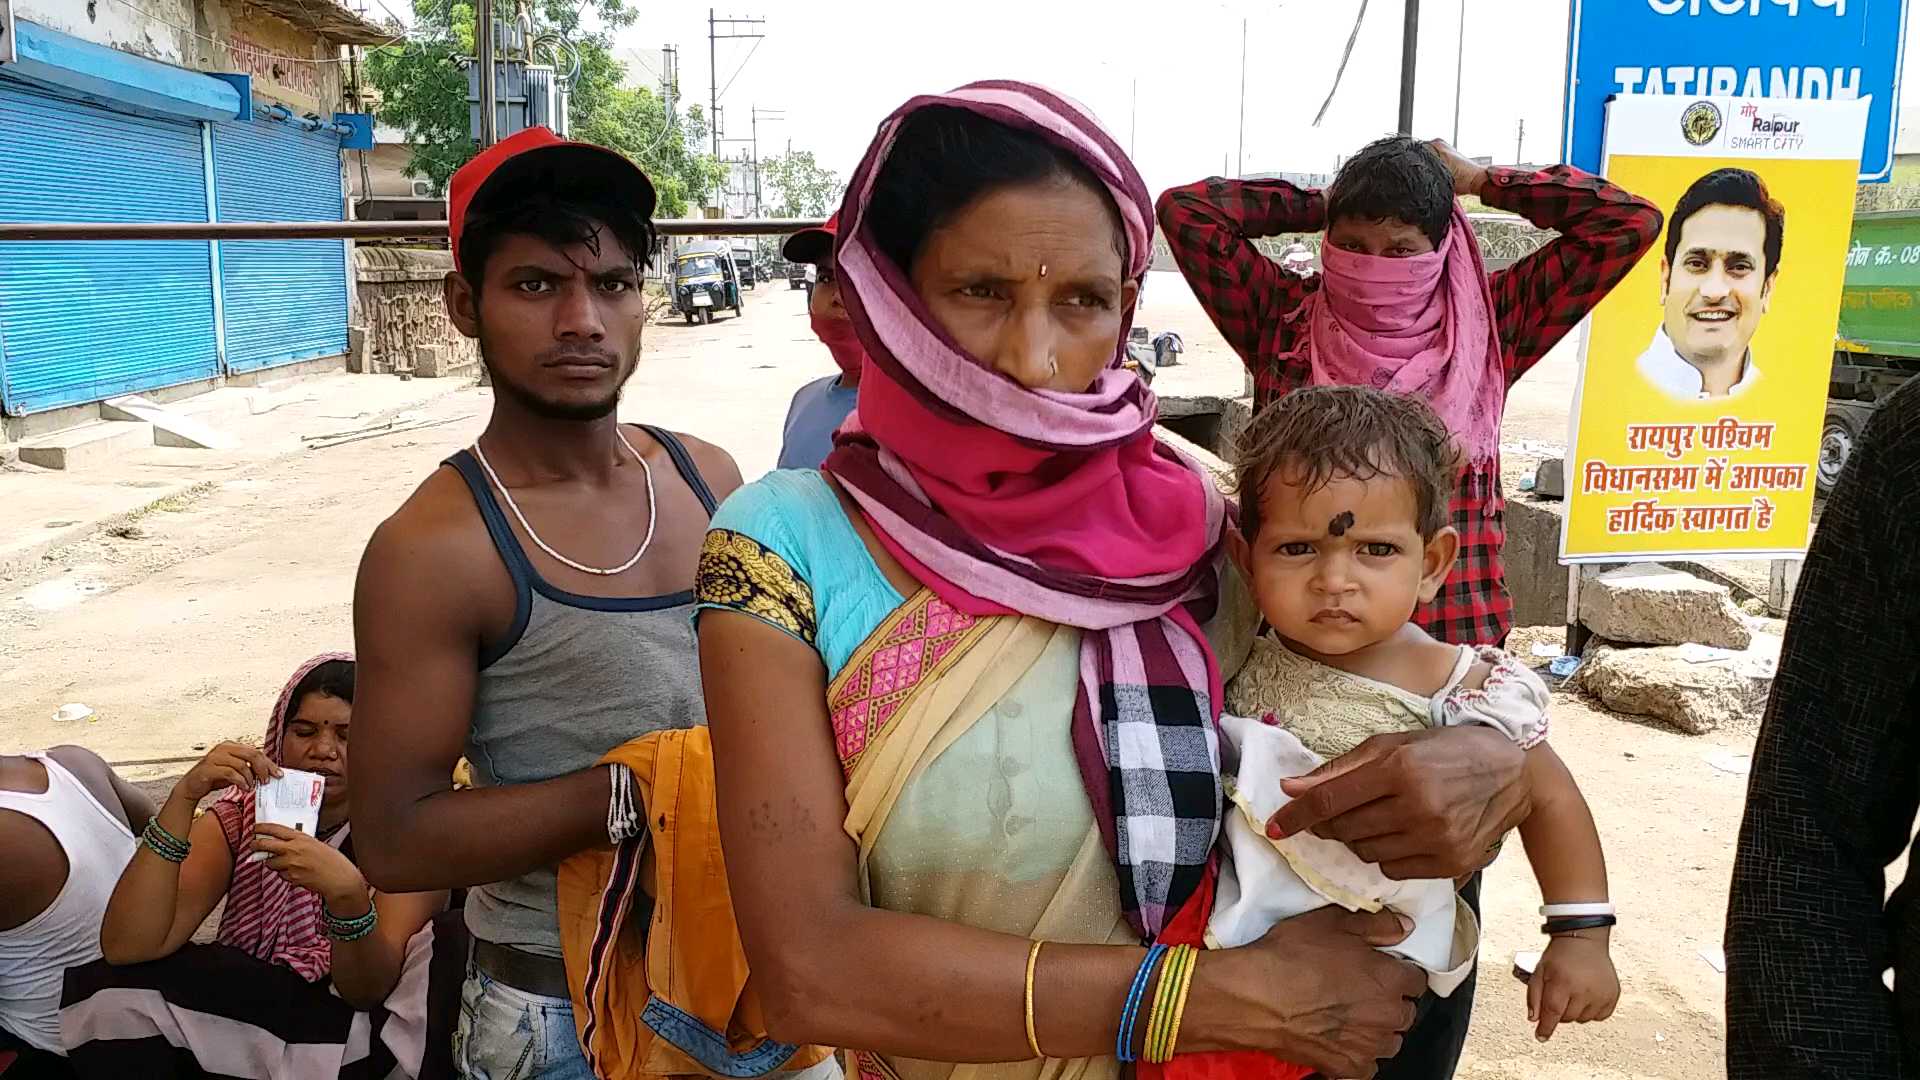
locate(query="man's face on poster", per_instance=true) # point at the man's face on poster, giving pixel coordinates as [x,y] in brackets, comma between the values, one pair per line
[1718,284]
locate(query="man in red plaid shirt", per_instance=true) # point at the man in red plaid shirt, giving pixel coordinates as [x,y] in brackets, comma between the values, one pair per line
[1396,199]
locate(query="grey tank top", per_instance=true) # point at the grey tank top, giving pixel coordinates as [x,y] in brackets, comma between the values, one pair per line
[574,677]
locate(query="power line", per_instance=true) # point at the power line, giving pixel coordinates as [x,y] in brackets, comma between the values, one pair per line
[714,37]
[742,67]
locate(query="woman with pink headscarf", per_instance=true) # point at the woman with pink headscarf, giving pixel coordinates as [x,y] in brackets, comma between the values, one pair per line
[963,681]
[312,972]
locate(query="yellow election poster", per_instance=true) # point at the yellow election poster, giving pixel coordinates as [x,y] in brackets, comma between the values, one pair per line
[1704,377]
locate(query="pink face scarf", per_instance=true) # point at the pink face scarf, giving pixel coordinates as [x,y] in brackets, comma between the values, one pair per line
[1421,325]
[840,338]
[267,917]
[1056,505]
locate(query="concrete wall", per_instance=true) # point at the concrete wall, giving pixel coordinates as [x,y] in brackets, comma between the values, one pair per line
[386,173]
[1535,578]
[155,29]
[400,313]
[289,65]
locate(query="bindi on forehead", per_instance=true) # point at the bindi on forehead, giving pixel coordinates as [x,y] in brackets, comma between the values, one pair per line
[1340,523]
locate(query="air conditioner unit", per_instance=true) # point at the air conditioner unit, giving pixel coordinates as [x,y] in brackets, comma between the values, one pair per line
[423,189]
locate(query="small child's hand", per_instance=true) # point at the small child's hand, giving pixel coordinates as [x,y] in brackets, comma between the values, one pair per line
[1574,982]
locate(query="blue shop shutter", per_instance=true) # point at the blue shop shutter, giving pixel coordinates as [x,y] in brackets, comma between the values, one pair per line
[284,300]
[81,321]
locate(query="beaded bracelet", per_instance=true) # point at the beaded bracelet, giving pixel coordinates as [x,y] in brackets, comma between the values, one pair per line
[346,930]
[1129,1016]
[158,840]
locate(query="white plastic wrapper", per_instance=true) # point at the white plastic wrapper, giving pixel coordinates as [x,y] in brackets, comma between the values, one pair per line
[292,799]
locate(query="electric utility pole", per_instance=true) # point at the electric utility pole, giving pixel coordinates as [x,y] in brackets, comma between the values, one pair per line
[1409,43]
[714,36]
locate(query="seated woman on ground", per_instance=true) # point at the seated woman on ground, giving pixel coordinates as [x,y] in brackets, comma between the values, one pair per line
[313,972]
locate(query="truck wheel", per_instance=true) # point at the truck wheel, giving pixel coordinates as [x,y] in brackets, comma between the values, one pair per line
[1838,433]
[689,318]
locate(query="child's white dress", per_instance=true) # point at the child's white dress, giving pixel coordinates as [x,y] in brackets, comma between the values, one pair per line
[1286,715]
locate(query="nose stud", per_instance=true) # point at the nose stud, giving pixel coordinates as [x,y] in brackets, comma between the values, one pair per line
[1043,269]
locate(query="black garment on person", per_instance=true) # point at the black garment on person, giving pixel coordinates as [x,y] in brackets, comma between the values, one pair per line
[31,1063]
[1831,802]
[274,1003]
[1431,1048]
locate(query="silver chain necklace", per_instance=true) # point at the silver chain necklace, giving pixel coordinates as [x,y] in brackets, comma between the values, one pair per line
[652,513]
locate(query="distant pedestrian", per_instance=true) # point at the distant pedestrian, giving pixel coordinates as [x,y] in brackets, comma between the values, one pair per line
[1836,776]
[529,605]
[1403,302]
[820,406]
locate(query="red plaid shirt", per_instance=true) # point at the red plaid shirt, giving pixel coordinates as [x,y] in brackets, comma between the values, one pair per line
[1603,232]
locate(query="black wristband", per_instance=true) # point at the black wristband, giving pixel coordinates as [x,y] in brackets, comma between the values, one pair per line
[1577,922]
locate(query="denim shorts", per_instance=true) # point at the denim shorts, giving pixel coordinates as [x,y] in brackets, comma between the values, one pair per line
[509,1034]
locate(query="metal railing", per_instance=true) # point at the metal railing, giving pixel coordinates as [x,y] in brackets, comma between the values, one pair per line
[347,230]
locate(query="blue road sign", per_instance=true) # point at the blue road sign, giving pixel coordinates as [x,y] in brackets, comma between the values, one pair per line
[1734,48]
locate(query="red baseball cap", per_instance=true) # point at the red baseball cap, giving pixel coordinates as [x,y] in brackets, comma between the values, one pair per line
[538,158]
[812,245]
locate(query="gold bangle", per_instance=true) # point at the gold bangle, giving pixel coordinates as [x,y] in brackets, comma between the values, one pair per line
[1033,1037]
[1180,1004]
[1154,1050]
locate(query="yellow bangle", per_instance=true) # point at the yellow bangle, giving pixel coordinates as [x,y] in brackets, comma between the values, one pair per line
[1033,1037]
[1180,1004]
[1159,1023]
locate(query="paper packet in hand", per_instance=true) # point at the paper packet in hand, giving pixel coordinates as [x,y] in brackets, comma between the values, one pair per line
[291,799]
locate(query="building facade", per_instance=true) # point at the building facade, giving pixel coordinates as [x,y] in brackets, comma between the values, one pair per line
[171,111]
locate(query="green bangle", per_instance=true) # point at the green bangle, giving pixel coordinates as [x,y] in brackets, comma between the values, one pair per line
[353,929]
[158,840]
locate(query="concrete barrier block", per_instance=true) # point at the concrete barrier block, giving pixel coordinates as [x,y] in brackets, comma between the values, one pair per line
[1535,578]
[1655,605]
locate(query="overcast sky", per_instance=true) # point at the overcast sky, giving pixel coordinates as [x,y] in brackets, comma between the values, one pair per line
[1164,76]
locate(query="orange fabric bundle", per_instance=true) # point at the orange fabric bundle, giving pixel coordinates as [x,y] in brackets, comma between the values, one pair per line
[669,996]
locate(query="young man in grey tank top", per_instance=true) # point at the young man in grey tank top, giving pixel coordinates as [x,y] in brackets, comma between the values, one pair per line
[528,607]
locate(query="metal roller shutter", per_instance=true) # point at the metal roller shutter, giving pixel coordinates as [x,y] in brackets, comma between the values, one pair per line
[283,300]
[85,320]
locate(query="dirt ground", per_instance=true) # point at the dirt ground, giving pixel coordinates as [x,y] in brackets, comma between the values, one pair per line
[177,624]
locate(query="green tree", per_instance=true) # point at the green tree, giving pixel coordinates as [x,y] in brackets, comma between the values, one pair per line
[794,185]
[423,88]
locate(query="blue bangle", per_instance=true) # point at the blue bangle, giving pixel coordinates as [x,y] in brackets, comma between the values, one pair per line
[1129,1016]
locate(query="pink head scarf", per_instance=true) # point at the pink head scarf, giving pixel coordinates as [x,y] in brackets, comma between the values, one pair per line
[1062,506]
[266,916]
[1422,325]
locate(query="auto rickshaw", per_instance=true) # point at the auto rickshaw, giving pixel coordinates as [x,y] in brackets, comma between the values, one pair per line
[705,280]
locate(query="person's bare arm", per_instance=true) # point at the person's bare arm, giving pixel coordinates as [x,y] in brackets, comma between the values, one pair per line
[1563,845]
[367,970]
[1574,980]
[1425,804]
[157,905]
[832,970]
[417,631]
